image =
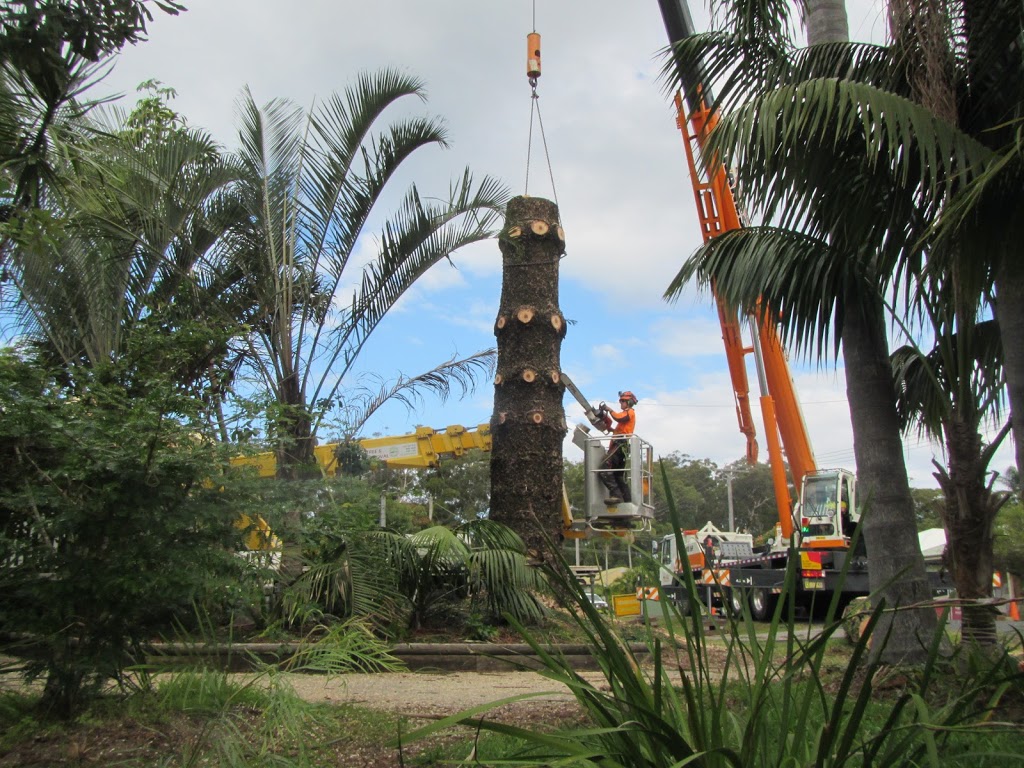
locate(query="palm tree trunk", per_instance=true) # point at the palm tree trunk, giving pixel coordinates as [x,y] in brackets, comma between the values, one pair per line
[826,21]
[528,424]
[294,462]
[895,564]
[1009,312]
[968,517]
[295,428]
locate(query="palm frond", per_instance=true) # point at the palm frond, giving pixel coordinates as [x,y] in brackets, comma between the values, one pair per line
[799,277]
[924,153]
[960,377]
[421,234]
[366,397]
[338,196]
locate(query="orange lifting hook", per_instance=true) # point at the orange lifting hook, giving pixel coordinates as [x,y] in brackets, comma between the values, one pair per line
[533,57]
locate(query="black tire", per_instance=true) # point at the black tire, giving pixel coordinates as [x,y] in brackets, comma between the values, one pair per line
[762,604]
[737,599]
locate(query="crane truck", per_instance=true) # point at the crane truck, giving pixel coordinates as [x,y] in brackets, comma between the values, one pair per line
[817,527]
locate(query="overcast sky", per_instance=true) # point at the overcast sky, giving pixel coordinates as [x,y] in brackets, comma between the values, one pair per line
[619,174]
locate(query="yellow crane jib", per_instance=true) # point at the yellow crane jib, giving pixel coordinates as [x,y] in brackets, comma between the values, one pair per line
[426,447]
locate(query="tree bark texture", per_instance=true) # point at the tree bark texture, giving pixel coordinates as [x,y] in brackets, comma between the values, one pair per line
[1009,312]
[969,517]
[895,564]
[528,424]
[295,461]
[826,21]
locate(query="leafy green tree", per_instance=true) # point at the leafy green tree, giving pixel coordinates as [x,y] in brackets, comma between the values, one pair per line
[460,488]
[698,495]
[753,498]
[49,52]
[1009,546]
[573,480]
[928,503]
[105,498]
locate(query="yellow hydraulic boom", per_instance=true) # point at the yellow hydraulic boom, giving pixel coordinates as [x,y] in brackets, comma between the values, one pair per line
[424,448]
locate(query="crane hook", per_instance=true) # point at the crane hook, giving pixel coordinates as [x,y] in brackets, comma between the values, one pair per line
[533,57]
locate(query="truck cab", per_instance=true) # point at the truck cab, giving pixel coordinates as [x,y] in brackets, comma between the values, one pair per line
[828,510]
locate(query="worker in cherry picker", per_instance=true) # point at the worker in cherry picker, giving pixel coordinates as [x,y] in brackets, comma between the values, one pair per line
[613,466]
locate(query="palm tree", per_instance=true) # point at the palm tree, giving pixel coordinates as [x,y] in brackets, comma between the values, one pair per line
[973,79]
[948,393]
[387,575]
[138,215]
[312,184]
[826,265]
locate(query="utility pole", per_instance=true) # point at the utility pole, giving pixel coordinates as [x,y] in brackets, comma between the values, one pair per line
[732,522]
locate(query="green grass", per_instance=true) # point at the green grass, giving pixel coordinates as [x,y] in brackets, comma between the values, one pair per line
[192,722]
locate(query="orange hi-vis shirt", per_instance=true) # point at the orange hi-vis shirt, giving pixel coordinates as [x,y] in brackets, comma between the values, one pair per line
[625,421]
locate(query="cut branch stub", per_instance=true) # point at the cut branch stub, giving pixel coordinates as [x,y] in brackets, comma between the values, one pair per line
[525,314]
[529,376]
[539,228]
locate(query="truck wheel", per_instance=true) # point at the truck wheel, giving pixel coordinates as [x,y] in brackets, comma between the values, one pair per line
[737,597]
[762,604]
[682,601]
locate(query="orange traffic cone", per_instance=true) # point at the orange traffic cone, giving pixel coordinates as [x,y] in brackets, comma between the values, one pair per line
[1015,610]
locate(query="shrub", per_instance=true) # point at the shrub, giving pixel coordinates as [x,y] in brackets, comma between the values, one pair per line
[109,526]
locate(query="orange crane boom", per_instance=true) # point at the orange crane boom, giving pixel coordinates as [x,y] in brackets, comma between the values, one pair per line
[718,213]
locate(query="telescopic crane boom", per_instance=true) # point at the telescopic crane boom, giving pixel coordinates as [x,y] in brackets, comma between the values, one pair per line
[719,213]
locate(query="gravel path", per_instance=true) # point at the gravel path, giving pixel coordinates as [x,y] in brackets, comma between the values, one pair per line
[431,693]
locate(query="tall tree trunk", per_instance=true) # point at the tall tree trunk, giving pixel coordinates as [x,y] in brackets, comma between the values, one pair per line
[295,461]
[528,424]
[1009,312]
[895,563]
[968,516]
[826,21]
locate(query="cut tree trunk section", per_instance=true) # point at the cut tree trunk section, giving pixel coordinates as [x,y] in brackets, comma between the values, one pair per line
[528,424]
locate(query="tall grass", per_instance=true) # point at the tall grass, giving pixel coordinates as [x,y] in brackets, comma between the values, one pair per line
[761,696]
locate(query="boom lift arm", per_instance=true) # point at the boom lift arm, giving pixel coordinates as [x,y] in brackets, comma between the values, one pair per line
[426,447]
[718,213]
